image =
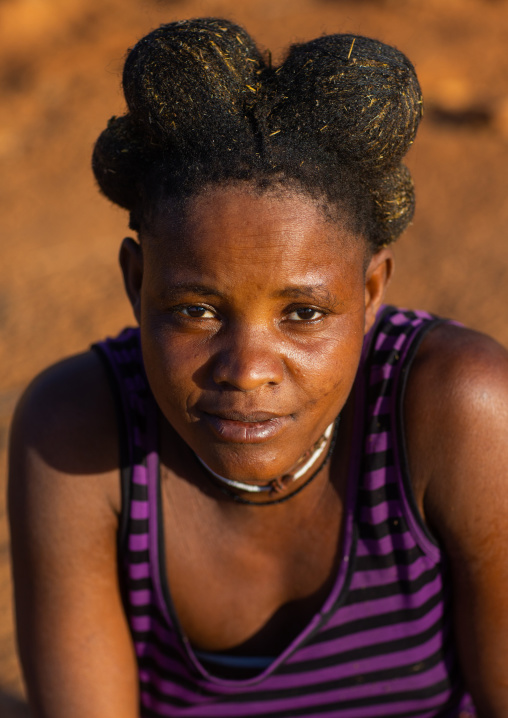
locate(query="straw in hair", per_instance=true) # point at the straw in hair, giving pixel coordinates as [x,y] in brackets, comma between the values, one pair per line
[335,119]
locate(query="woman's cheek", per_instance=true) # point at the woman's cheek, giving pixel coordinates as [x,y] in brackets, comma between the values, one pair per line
[332,361]
[177,370]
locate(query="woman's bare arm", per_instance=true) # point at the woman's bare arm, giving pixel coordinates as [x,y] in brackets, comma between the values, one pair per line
[64,499]
[457,419]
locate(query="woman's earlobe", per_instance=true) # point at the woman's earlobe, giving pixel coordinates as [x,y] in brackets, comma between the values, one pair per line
[131,262]
[377,277]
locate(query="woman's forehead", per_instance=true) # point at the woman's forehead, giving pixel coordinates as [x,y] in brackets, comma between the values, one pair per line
[242,212]
[235,237]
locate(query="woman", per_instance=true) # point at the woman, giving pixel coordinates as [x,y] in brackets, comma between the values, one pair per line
[310,519]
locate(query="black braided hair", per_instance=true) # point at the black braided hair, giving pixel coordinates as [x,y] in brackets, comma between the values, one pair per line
[335,119]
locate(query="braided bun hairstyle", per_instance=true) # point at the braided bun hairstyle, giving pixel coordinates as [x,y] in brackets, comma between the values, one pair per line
[335,119]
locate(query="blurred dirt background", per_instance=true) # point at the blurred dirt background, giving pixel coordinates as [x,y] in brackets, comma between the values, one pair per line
[60,63]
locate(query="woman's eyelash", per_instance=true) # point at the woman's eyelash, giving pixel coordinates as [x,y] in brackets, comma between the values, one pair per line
[293,314]
[196,311]
[305,314]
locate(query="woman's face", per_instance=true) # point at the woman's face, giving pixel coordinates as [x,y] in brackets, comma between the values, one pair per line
[252,310]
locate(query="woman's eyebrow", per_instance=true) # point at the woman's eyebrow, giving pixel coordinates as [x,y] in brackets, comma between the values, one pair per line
[316,292]
[183,288]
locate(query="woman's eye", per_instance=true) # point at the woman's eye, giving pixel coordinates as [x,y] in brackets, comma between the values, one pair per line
[196,311]
[305,314]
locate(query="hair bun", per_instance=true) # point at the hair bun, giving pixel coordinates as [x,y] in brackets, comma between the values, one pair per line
[190,72]
[359,98]
[394,203]
[119,157]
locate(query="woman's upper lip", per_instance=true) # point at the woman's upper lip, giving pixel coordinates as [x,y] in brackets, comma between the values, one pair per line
[251,417]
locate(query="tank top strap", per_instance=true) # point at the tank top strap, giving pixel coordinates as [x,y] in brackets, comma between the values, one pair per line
[137,425]
[385,482]
[140,538]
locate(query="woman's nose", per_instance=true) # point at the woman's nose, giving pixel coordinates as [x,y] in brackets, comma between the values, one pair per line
[248,360]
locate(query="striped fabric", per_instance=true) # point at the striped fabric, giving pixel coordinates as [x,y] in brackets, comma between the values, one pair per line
[381,646]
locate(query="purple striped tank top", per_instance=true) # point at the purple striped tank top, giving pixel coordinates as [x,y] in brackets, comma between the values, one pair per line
[381,645]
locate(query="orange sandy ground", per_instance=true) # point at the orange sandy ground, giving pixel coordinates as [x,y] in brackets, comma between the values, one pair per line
[59,82]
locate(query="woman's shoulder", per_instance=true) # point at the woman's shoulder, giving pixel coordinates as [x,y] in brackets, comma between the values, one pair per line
[64,504]
[456,418]
[65,425]
[458,375]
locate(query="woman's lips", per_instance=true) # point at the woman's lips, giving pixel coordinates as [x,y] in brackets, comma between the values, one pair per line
[252,428]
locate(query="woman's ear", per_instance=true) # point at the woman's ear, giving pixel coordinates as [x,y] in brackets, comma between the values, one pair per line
[377,278]
[131,262]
